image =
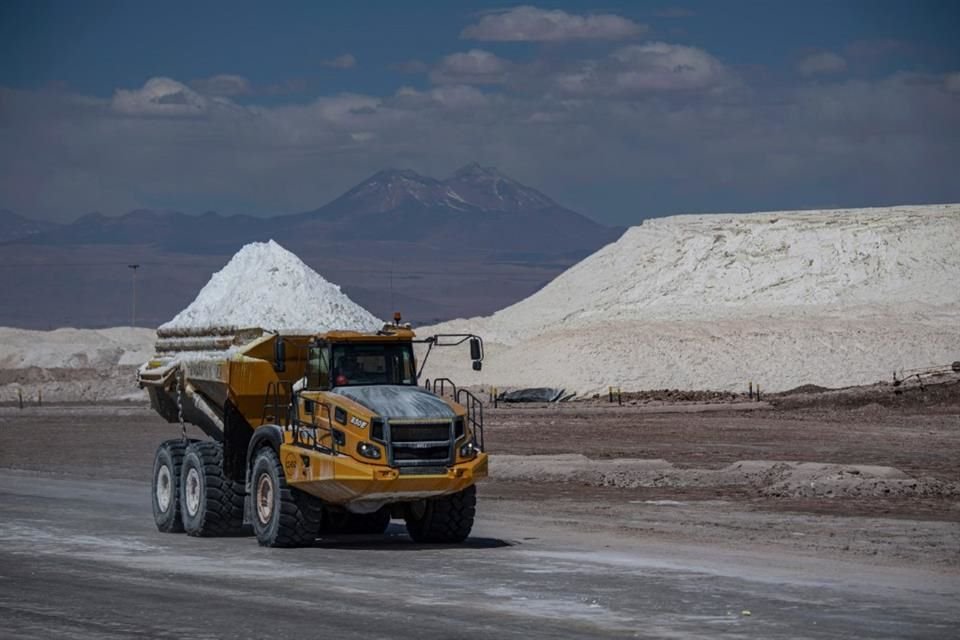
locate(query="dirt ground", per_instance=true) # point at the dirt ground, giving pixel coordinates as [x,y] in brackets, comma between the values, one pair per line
[916,441]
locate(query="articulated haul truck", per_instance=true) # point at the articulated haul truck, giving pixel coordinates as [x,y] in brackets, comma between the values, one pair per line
[313,434]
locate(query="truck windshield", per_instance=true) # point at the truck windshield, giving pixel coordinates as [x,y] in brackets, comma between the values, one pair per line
[361,364]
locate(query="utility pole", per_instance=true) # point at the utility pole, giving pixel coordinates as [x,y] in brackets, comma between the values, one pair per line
[393,307]
[133,308]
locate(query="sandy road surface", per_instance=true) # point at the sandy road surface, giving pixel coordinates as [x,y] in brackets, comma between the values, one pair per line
[80,557]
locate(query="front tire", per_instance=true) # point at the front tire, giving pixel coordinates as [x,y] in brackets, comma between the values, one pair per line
[166,486]
[283,516]
[445,519]
[210,503]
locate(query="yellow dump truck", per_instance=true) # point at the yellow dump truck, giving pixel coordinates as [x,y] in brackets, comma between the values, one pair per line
[313,434]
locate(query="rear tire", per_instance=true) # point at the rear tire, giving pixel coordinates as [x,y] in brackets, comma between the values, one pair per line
[210,503]
[446,519]
[283,516]
[166,486]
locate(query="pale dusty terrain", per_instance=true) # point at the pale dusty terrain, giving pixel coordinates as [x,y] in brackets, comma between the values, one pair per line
[818,515]
[875,465]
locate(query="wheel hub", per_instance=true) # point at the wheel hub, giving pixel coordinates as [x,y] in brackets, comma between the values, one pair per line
[264,498]
[164,489]
[192,492]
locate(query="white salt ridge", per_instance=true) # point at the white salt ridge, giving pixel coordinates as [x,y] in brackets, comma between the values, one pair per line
[712,301]
[77,364]
[268,287]
[99,349]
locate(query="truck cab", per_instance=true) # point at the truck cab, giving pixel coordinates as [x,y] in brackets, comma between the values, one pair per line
[365,389]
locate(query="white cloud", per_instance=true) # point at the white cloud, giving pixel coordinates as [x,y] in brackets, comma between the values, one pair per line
[223,85]
[526,23]
[822,63]
[459,97]
[160,97]
[450,98]
[645,68]
[472,67]
[363,136]
[661,66]
[345,61]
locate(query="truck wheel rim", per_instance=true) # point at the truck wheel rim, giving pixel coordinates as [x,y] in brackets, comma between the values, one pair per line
[264,498]
[193,492]
[164,488]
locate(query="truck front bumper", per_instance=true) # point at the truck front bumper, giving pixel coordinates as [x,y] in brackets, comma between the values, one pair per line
[341,480]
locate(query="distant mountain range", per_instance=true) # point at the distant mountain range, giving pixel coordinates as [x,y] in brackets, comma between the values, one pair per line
[478,208]
[14,227]
[477,223]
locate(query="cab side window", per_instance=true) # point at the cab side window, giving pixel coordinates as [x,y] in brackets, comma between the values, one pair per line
[318,368]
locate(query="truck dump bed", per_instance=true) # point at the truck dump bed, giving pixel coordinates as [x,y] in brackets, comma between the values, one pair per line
[198,373]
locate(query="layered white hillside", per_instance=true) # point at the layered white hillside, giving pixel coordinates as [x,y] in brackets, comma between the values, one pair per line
[710,301]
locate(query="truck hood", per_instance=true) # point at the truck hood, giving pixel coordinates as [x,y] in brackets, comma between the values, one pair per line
[397,401]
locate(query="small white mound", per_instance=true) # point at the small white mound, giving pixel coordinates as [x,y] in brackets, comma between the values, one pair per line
[265,286]
[834,298]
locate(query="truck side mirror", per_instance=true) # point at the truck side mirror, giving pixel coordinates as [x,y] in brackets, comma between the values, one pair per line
[477,365]
[476,353]
[279,355]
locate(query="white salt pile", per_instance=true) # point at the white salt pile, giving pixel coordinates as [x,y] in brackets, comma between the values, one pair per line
[714,301]
[265,286]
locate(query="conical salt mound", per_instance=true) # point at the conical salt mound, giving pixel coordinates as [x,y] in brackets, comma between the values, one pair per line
[265,286]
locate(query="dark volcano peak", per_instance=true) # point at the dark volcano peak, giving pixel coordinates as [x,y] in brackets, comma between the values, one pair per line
[475,170]
[387,175]
[489,189]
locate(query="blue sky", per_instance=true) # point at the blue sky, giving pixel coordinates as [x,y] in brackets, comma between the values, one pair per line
[622,110]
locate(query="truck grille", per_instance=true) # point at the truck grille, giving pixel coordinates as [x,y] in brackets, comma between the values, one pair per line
[420,444]
[419,432]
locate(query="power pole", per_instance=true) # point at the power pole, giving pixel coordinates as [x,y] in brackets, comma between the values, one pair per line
[133,309]
[393,307]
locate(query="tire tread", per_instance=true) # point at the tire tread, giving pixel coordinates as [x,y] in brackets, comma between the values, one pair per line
[222,509]
[447,519]
[299,514]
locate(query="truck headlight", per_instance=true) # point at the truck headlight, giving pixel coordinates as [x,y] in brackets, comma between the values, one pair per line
[468,450]
[368,450]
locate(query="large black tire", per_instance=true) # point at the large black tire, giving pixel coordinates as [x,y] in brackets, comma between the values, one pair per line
[444,519]
[210,503]
[344,522]
[283,516]
[166,486]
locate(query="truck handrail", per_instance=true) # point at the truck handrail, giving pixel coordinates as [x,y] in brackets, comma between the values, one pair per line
[271,400]
[299,424]
[474,408]
[442,384]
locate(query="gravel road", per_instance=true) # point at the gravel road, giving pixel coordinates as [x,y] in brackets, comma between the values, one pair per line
[80,557]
